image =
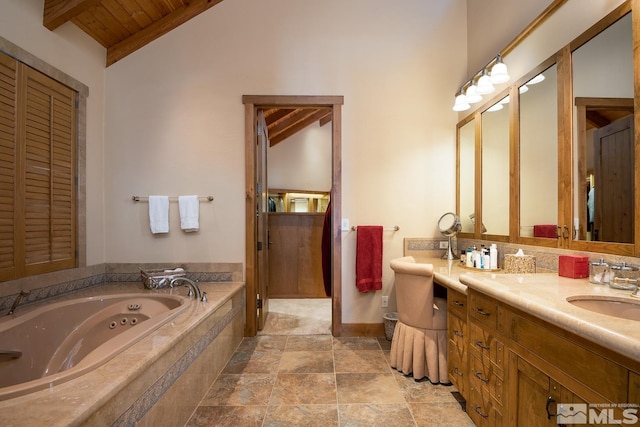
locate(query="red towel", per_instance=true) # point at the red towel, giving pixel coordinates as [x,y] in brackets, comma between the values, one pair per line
[547,230]
[369,258]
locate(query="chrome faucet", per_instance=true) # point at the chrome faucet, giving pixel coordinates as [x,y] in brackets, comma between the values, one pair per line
[21,295]
[194,289]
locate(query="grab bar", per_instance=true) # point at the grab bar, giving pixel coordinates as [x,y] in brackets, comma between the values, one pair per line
[9,355]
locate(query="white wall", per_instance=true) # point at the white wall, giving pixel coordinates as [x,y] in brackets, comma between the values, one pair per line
[175,121]
[73,52]
[302,161]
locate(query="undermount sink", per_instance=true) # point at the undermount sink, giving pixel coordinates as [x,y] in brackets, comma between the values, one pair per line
[624,308]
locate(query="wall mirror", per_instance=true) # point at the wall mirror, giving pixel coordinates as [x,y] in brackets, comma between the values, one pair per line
[466,174]
[603,90]
[539,150]
[495,169]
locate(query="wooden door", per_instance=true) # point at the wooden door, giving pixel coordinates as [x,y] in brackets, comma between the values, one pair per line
[614,182]
[295,259]
[262,211]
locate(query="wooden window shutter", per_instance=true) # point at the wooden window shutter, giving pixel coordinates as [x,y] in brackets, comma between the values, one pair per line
[47,171]
[8,100]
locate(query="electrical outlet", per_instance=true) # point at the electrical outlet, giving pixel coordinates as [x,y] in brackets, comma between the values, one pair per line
[444,244]
[385,301]
[345,224]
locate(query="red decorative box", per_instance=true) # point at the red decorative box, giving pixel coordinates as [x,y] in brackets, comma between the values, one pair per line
[573,266]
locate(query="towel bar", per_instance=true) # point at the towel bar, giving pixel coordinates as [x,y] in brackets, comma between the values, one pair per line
[394,228]
[171,198]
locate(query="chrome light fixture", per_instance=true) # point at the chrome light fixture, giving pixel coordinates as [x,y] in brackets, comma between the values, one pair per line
[495,72]
[461,102]
[472,94]
[499,72]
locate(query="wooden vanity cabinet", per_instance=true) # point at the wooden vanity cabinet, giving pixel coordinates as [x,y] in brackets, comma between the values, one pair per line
[458,336]
[521,368]
[485,404]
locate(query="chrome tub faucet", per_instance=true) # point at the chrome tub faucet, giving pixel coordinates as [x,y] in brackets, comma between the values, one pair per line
[19,298]
[194,289]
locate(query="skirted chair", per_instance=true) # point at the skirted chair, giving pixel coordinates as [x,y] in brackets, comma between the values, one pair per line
[419,344]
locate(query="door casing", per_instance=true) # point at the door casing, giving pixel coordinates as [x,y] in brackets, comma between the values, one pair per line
[252,104]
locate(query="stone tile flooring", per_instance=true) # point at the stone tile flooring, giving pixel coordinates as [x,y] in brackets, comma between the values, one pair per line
[319,380]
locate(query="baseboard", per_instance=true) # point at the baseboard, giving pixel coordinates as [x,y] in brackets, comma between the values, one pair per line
[362,330]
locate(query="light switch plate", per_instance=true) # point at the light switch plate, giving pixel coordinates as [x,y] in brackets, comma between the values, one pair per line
[444,244]
[385,301]
[345,224]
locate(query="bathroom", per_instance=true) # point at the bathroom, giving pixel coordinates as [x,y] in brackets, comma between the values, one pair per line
[175,106]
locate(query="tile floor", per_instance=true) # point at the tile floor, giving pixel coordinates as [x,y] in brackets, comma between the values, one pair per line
[320,380]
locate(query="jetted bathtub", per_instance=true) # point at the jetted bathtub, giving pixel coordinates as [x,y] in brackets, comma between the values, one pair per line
[61,341]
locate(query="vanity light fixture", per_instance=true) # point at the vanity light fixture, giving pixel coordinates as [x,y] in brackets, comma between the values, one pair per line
[495,107]
[499,72]
[523,89]
[461,102]
[484,83]
[472,94]
[495,72]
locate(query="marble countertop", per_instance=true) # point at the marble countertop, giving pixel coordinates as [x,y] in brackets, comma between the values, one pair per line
[74,400]
[544,295]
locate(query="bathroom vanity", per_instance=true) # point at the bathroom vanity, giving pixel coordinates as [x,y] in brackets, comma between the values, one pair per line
[520,350]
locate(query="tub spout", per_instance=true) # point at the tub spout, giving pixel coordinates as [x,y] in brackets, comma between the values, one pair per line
[21,295]
[194,289]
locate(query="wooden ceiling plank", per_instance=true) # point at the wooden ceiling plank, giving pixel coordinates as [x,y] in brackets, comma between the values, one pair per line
[326,118]
[111,23]
[290,120]
[57,12]
[275,114]
[153,9]
[157,29]
[137,13]
[88,23]
[116,8]
[297,127]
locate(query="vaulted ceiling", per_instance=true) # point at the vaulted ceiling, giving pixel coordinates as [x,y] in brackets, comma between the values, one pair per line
[124,26]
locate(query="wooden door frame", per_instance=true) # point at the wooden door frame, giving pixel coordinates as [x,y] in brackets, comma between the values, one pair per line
[252,103]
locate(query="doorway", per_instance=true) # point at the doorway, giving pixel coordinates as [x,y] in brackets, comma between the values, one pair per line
[257,303]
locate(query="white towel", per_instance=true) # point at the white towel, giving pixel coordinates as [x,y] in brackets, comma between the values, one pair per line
[159,214]
[189,212]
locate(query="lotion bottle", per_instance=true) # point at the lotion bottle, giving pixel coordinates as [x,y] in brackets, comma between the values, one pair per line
[493,254]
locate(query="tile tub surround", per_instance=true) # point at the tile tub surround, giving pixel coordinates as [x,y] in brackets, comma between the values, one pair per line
[57,283]
[137,384]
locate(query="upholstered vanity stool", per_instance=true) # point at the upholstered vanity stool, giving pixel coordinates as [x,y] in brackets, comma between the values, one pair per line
[419,344]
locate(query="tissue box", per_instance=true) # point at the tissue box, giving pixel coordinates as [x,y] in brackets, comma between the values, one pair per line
[573,266]
[519,264]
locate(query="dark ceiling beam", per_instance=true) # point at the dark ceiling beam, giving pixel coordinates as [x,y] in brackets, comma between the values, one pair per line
[57,12]
[157,29]
[305,119]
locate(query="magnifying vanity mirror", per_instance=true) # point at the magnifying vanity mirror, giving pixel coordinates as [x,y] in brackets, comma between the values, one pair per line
[449,226]
[603,103]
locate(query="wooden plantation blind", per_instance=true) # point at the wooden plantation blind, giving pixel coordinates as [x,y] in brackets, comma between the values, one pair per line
[43,165]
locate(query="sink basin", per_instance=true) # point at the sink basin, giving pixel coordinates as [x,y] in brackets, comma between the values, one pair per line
[621,307]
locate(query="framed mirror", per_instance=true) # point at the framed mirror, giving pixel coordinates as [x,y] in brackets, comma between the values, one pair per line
[495,169]
[603,90]
[539,149]
[466,174]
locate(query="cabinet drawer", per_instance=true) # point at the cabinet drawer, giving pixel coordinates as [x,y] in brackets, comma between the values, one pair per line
[458,369]
[481,410]
[487,347]
[457,303]
[458,331]
[484,310]
[483,377]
